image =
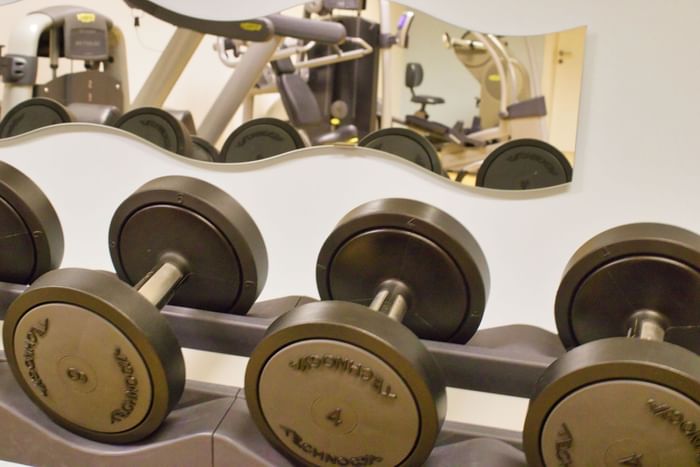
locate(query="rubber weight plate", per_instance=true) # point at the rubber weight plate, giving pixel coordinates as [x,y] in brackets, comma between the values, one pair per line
[524,164]
[202,225]
[337,383]
[31,238]
[259,139]
[94,355]
[407,145]
[203,150]
[31,114]
[425,248]
[641,404]
[633,267]
[159,127]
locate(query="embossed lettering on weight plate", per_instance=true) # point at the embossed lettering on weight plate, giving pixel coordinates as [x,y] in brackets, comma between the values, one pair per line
[31,341]
[688,428]
[563,443]
[324,456]
[344,365]
[131,394]
[634,459]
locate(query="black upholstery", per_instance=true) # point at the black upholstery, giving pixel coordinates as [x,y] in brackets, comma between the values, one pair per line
[298,101]
[427,100]
[302,108]
[413,78]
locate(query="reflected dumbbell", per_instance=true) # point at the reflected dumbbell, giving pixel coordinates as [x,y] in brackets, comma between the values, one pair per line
[259,139]
[31,238]
[629,393]
[407,144]
[173,131]
[104,362]
[348,378]
[524,164]
[40,112]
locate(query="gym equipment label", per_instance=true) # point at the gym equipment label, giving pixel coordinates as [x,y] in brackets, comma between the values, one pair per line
[31,341]
[131,394]
[344,365]
[326,457]
[688,428]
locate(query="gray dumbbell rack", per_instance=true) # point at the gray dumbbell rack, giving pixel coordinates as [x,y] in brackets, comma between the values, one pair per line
[211,424]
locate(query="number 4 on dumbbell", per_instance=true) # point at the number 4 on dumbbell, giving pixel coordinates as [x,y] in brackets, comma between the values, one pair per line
[347,380]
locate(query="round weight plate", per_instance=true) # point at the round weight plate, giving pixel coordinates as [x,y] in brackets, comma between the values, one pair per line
[201,224]
[617,401]
[624,270]
[159,127]
[31,114]
[94,355]
[259,139]
[335,380]
[406,144]
[203,150]
[524,164]
[419,245]
[31,238]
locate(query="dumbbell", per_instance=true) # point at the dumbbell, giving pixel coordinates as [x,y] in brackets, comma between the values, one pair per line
[259,139]
[39,112]
[629,392]
[524,164]
[93,352]
[31,238]
[407,144]
[347,380]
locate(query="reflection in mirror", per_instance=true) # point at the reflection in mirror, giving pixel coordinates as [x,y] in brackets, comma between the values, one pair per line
[501,110]
[481,109]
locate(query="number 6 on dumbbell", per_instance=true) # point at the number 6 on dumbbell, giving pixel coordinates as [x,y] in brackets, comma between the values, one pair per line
[335,382]
[95,353]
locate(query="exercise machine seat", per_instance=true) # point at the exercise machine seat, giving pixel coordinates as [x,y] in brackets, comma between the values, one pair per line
[427,100]
[413,79]
[299,101]
[302,108]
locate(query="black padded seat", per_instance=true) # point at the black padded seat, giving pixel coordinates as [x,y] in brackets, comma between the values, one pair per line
[427,100]
[302,107]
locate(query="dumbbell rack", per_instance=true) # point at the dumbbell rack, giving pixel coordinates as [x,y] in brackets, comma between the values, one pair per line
[211,424]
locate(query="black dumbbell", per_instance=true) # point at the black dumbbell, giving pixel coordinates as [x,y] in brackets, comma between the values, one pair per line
[94,352]
[406,144]
[172,130]
[31,238]
[39,112]
[259,139]
[343,380]
[629,392]
[160,127]
[524,164]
